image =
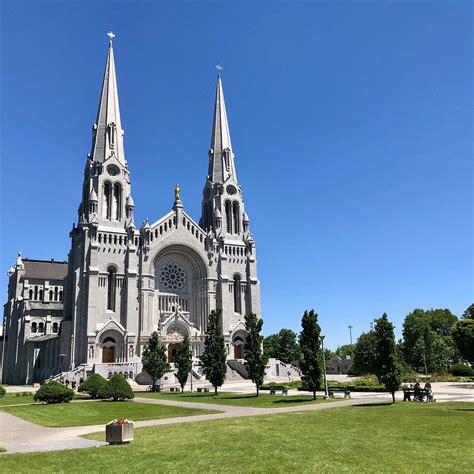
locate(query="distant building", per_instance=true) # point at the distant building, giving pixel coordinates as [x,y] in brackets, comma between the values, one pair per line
[95,312]
[338,365]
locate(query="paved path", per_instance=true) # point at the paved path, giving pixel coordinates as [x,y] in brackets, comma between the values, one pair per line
[20,436]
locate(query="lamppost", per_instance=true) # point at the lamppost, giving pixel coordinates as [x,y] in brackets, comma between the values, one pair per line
[326,394]
[350,332]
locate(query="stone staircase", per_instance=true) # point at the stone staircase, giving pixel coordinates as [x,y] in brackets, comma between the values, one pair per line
[239,368]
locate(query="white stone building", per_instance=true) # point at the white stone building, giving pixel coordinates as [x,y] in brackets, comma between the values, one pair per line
[121,282]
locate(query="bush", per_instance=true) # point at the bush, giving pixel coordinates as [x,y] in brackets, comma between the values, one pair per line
[53,392]
[117,388]
[2,392]
[462,370]
[93,385]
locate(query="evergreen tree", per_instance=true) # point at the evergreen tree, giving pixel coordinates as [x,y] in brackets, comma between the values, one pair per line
[255,360]
[183,361]
[214,357]
[154,359]
[117,388]
[310,348]
[386,364]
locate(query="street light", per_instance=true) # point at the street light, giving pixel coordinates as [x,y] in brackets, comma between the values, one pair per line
[350,332]
[326,394]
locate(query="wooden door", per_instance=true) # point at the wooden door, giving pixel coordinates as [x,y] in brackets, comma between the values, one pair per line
[238,352]
[108,354]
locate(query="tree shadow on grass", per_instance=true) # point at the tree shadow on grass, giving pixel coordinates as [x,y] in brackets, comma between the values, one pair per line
[289,401]
[383,404]
[461,409]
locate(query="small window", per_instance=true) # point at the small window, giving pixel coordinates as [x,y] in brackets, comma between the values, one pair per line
[111,283]
[41,328]
[34,327]
[55,328]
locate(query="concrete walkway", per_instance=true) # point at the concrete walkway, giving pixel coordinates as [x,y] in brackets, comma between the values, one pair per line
[20,436]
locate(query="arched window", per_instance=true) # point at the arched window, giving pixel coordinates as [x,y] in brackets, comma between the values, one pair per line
[111,282]
[34,327]
[117,201]
[41,295]
[41,328]
[60,295]
[36,293]
[51,295]
[107,213]
[228,216]
[237,296]
[236,212]
[55,328]
[30,294]
[55,293]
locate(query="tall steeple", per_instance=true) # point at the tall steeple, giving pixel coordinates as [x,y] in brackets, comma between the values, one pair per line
[221,157]
[108,134]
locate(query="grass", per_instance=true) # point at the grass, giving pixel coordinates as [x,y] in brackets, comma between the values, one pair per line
[23,398]
[377,438]
[95,413]
[13,399]
[236,399]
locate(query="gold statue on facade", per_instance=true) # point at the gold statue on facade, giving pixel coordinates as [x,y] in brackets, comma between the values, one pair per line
[177,193]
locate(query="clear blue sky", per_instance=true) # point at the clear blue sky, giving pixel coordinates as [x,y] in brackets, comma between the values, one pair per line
[351,123]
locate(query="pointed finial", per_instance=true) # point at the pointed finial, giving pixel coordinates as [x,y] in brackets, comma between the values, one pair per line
[111,36]
[219,69]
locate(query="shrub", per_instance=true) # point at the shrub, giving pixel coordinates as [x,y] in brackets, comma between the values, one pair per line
[462,370]
[2,392]
[93,385]
[117,388]
[53,392]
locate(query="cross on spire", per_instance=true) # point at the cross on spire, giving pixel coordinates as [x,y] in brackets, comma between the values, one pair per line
[111,35]
[219,68]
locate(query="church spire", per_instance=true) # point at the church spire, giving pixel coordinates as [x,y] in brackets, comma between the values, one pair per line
[221,157]
[108,133]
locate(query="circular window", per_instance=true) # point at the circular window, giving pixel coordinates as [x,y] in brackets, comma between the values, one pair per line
[231,189]
[113,170]
[172,277]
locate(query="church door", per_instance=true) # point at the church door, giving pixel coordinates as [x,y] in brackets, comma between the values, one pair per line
[239,352]
[172,351]
[108,354]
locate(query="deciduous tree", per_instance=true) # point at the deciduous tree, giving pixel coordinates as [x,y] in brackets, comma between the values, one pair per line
[463,335]
[364,354]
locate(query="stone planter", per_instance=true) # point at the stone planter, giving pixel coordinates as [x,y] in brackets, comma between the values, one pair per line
[119,432]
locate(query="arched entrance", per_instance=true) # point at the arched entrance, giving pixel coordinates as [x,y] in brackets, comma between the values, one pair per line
[238,342]
[108,350]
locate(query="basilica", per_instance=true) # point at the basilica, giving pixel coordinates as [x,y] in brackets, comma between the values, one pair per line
[95,312]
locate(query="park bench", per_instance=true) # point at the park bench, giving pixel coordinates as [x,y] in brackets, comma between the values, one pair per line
[203,389]
[175,389]
[409,395]
[344,390]
[277,388]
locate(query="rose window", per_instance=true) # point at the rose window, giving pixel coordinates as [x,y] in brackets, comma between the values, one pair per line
[172,277]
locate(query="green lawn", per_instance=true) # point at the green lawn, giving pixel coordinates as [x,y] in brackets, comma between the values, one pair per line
[237,399]
[13,399]
[405,437]
[94,413]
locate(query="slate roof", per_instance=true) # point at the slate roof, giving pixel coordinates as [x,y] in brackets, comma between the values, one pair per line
[45,269]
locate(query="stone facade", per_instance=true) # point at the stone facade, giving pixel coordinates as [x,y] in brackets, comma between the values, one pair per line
[123,282]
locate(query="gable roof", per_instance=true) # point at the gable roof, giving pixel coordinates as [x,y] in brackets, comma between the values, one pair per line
[45,269]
